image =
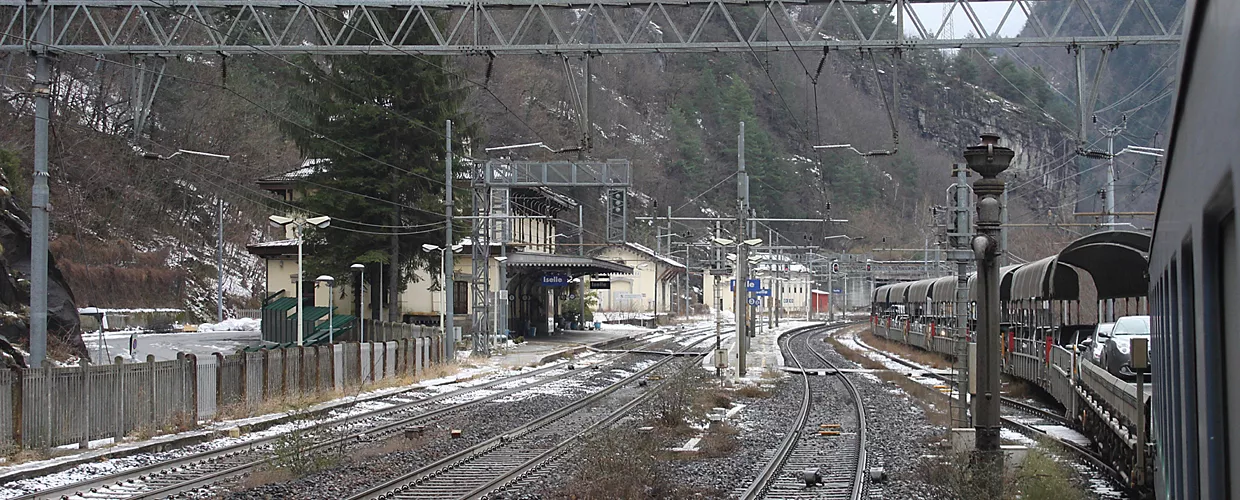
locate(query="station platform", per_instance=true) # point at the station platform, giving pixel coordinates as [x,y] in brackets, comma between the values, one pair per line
[566,342]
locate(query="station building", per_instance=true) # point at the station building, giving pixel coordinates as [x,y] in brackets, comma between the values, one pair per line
[530,305]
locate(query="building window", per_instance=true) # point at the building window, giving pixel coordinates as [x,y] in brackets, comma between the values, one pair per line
[460,297]
[307,293]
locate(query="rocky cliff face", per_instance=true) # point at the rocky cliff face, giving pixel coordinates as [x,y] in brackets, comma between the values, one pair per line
[951,113]
[63,328]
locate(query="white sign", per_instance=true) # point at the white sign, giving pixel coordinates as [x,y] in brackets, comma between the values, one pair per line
[629,296]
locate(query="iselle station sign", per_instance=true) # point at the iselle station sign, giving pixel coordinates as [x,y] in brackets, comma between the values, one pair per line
[555,280]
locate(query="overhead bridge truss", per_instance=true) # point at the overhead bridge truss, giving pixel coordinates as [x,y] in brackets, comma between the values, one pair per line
[494,27]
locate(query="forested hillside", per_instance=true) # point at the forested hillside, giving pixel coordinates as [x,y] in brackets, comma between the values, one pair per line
[131,231]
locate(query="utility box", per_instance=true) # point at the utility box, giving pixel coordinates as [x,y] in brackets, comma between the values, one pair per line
[1140,354]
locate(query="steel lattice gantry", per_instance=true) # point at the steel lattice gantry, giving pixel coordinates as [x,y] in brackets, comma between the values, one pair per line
[493,27]
[491,182]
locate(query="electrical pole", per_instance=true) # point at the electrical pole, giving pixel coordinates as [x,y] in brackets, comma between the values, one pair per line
[831,298]
[39,192]
[449,257]
[959,237]
[988,159]
[581,250]
[219,261]
[742,252]
[1110,133]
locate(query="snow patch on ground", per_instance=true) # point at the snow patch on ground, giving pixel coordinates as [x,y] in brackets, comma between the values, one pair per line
[232,325]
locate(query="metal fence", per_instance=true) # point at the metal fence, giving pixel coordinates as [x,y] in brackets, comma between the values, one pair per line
[56,406]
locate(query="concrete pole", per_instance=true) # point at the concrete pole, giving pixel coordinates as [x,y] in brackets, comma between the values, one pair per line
[40,192]
[331,312]
[219,261]
[581,249]
[449,257]
[988,159]
[742,253]
[300,279]
[831,298]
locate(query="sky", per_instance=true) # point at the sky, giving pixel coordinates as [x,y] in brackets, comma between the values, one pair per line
[990,13]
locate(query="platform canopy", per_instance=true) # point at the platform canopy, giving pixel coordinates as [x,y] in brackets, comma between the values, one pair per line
[574,265]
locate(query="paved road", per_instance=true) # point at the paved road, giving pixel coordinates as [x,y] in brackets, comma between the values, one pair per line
[166,345]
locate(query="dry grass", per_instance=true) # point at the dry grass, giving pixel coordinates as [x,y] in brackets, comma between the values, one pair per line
[916,355]
[720,440]
[922,395]
[1039,477]
[617,463]
[753,391]
[266,475]
[24,455]
[389,446]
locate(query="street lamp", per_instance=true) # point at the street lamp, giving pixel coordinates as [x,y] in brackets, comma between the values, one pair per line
[156,156]
[361,300]
[331,306]
[219,242]
[855,150]
[299,224]
[443,280]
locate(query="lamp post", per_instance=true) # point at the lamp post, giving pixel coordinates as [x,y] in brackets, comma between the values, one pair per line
[299,224]
[331,306]
[219,240]
[988,159]
[361,300]
[443,280]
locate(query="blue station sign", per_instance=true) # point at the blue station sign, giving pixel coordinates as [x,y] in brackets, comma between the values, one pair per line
[555,280]
[751,285]
[765,292]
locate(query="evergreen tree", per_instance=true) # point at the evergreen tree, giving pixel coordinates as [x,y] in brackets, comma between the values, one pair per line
[376,136]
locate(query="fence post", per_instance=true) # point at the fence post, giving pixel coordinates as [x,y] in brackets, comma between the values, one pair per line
[119,363]
[86,392]
[193,391]
[266,393]
[150,368]
[47,401]
[181,378]
[245,382]
[17,399]
[219,381]
[371,347]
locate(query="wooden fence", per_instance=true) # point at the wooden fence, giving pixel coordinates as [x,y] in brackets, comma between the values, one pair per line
[55,406]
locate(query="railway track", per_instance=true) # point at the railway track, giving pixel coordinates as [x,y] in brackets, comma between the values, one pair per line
[1028,429]
[196,471]
[811,461]
[494,464]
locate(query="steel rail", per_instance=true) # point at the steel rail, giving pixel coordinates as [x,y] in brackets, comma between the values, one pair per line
[1029,430]
[219,457]
[405,482]
[561,448]
[859,477]
[1004,400]
[766,477]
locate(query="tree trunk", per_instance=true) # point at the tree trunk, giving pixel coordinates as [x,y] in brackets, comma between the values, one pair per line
[394,262]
